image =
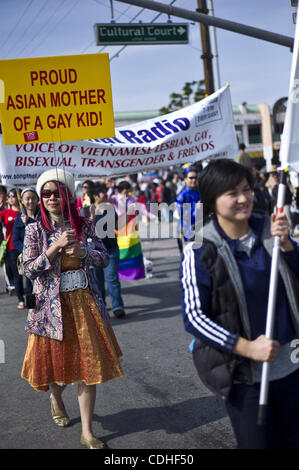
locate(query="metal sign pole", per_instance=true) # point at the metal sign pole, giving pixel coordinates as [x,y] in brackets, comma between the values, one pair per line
[214,21]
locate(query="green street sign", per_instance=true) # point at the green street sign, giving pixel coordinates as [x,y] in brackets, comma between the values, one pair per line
[141,33]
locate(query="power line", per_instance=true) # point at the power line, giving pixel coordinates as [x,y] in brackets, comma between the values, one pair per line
[55,11]
[28,26]
[123,47]
[131,19]
[154,19]
[42,26]
[118,11]
[195,48]
[17,24]
[121,14]
[36,16]
[58,23]
[87,47]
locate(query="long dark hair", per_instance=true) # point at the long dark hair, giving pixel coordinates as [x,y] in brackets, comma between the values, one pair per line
[90,189]
[219,176]
[69,211]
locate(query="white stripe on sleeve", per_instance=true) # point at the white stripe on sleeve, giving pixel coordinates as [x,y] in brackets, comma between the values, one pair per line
[193,309]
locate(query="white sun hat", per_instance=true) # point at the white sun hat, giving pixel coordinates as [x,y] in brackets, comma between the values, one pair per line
[58,174]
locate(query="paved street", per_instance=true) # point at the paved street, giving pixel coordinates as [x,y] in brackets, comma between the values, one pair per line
[158,404]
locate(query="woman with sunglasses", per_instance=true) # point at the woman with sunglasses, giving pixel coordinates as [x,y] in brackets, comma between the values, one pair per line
[187,201]
[7,217]
[225,284]
[70,336]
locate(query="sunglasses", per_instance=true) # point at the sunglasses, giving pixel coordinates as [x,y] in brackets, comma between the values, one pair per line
[47,193]
[192,177]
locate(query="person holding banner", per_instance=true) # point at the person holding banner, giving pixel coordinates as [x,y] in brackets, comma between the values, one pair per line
[224,287]
[31,213]
[70,335]
[7,217]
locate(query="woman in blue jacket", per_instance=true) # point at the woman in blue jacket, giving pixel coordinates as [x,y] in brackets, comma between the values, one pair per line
[30,214]
[225,284]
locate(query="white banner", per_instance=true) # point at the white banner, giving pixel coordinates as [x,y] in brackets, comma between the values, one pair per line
[289,149]
[200,131]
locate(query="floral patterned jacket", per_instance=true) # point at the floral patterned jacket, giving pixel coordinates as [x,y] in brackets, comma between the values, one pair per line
[46,319]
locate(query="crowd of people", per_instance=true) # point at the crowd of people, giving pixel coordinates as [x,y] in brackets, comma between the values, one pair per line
[170,185]
[73,248]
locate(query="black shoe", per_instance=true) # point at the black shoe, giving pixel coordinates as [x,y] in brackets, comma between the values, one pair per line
[119,313]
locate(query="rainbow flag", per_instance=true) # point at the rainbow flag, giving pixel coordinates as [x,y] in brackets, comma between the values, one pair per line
[131,266]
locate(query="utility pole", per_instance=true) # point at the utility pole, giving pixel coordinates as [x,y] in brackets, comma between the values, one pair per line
[206,49]
[214,49]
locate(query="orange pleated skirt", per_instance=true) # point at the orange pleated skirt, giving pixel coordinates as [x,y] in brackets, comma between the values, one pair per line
[88,353]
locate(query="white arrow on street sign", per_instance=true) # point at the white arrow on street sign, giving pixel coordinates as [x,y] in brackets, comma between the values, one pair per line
[141,33]
[181,30]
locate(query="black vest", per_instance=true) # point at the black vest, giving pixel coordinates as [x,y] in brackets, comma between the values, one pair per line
[217,368]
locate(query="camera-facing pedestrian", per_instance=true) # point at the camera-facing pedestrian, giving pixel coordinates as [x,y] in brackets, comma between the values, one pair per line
[225,285]
[70,336]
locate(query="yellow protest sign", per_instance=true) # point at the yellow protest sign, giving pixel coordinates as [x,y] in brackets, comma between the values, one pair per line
[54,99]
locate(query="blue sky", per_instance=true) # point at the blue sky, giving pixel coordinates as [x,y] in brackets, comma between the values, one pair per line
[143,77]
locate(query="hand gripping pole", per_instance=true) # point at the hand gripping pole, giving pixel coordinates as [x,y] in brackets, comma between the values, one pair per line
[271,304]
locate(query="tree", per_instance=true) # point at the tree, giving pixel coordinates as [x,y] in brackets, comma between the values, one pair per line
[191,93]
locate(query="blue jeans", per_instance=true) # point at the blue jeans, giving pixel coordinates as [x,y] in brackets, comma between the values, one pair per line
[110,276]
[12,256]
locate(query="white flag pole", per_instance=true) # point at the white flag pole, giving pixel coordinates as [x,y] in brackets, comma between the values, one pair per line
[271,304]
[289,150]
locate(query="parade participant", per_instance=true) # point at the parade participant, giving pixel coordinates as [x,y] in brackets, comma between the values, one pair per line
[187,201]
[151,192]
[84,202]
[110,184]
[131,265]
[271,180]
[159,189]
[29,199]
[224,297]
[262,199]
[3,205]
[70,336]
[6,268]
[245,158]
[3,196]
[178,182]
[109,274]
[7,217]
